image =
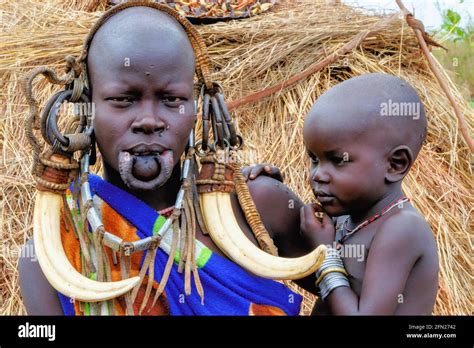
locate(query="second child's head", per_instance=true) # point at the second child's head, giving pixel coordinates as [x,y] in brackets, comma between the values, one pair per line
[362,137]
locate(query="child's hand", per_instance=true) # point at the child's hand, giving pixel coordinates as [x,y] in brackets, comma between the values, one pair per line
[262,169]
[318,231]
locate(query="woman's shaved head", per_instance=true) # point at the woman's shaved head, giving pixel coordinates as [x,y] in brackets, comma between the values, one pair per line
[134,34]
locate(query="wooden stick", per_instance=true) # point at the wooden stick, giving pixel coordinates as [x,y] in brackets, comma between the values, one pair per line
[349,46]
[439,78]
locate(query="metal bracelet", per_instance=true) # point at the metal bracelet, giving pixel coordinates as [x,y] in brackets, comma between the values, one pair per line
[332,280]
[332,259]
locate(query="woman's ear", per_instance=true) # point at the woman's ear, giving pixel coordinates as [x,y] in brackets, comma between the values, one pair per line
[93,153]
[400,160]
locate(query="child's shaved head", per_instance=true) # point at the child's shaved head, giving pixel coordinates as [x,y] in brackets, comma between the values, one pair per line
[383,106]
[362,136]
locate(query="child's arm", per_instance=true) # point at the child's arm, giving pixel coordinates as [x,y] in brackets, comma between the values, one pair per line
[393,253]
[279,209]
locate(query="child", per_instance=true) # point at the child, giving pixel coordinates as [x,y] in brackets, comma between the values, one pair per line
[362,137]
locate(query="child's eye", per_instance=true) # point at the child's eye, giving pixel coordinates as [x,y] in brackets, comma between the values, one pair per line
[314,160]
[338,160]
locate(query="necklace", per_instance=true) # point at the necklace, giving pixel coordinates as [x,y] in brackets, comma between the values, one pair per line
[346,232]
[167,211]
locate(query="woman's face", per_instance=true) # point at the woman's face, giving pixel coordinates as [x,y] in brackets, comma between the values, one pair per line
[144,105]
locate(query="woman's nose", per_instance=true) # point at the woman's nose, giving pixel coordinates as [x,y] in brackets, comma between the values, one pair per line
[148,123]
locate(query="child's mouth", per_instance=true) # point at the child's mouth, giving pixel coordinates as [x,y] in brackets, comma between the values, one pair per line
[323,197]
[145,170]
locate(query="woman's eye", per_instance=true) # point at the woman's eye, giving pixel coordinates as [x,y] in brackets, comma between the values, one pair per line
[120,99]
[172,100]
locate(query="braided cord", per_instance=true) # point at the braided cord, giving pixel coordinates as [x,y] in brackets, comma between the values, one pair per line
[251,213]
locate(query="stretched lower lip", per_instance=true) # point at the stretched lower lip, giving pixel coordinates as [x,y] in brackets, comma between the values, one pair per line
[145,172]
[325,199]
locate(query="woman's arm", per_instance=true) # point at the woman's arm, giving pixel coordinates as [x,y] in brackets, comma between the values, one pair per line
[279,209]
[39,297]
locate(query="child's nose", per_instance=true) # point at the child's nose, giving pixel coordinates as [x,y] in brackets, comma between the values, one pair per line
[320,175]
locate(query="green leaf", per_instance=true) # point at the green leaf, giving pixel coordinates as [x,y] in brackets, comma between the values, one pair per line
[453,16]
[446,26]
[460,32]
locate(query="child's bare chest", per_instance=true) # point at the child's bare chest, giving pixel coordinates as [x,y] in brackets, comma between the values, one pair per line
[354,253]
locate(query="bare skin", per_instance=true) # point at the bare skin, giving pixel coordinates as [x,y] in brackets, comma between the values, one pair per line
[398,273]
[151,102]
[358,162]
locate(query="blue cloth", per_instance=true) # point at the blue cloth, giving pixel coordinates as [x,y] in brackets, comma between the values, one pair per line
[228,288]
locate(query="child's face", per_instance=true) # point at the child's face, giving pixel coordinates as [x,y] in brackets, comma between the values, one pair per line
[347,170]
[144,102]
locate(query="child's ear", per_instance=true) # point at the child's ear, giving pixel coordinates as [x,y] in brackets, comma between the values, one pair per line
[400,160]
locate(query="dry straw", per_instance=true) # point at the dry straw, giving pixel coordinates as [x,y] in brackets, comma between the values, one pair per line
[251,55]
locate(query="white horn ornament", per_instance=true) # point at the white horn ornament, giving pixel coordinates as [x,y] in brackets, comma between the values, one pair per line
[54,262]
[225,232]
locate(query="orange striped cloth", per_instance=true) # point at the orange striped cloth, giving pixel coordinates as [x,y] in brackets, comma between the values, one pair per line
[123,229]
